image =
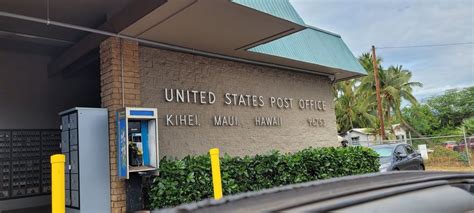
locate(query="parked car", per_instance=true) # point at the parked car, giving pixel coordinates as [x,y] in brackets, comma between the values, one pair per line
[462,145]
[449,144]
[394,157]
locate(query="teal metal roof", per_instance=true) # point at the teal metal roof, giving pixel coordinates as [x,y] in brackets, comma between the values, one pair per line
[279,8]
[311,45]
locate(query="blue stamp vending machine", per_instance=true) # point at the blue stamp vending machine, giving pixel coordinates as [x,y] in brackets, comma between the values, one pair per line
[137,141]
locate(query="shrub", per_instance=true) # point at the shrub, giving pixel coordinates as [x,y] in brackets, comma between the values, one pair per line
[442,153]
[189,179]
[463,157]
[442,156]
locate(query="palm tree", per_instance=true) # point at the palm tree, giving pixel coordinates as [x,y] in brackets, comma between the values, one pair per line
[398,87]
[366,90]
[351,110]
[356,102]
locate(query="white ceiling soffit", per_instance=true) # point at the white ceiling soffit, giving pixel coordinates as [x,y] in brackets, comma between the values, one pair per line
[222,27]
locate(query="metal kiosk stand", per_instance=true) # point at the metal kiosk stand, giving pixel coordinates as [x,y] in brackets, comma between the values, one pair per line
[85,143]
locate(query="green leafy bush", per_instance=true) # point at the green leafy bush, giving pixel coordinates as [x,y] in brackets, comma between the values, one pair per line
[442,153]
[463,157]
[189,179]
[442,156]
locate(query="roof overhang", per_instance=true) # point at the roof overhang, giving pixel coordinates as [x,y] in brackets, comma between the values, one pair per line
[226,28]
[217,26]
[251,31]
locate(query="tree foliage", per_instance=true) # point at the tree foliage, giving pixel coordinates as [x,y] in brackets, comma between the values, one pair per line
[351,110]
[443,114]
[468,125]
[422,118]
[453,106]
[356,105]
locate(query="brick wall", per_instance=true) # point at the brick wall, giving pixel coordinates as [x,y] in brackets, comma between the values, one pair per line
[111,95]
[168,69]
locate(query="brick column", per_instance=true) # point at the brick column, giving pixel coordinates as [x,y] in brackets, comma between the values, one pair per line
[111,96]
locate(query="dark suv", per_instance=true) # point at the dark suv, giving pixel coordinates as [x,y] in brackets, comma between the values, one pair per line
[398,157]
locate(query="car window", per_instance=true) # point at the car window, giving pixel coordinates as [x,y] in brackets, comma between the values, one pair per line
[401,150]
[409,149]
[383,151]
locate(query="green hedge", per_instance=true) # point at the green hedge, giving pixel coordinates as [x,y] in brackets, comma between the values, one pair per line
[189,179]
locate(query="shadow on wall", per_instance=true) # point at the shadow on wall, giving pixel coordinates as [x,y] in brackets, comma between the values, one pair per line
[31,99]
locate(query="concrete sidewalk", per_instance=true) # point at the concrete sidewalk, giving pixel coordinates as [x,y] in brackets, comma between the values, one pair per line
[39,209]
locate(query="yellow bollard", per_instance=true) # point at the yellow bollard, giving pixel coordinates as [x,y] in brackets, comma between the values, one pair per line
[216,173]
[58,203]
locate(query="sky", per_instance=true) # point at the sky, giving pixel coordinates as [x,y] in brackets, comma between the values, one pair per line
[389,23]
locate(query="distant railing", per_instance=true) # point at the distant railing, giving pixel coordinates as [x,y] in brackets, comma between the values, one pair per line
[378,142]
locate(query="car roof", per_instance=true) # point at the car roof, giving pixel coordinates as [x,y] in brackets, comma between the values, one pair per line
[393,145]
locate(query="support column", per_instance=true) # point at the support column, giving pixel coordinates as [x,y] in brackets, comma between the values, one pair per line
[112,51]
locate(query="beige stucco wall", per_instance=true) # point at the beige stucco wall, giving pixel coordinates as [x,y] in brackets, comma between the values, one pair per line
[160,69]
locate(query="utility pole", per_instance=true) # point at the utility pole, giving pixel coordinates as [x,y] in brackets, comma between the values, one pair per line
[466,147]
[411,142]
[377,91]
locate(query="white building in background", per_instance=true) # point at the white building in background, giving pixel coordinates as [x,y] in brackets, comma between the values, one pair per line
[367,136]
[359,136]
[400,133]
